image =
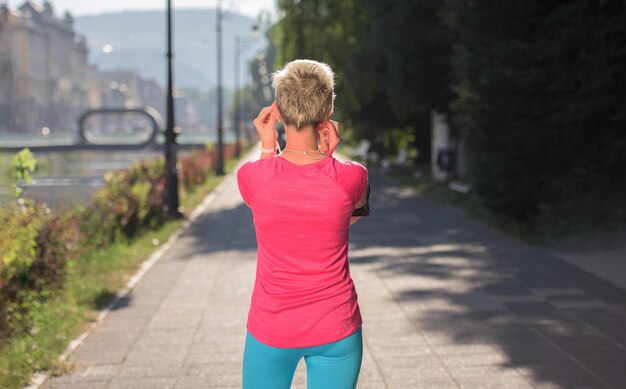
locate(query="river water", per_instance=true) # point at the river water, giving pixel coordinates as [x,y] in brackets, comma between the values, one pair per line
[66,179]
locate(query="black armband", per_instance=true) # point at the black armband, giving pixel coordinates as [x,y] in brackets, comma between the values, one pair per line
[365,210]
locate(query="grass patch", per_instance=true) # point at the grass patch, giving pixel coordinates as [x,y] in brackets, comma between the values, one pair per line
[94,279]
[92,283]
[39,348]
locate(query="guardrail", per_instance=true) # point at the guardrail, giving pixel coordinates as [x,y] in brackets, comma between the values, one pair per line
[97,128]
[87,138]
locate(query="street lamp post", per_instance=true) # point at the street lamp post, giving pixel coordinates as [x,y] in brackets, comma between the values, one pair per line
[238,41]
[219,167]
[171,203]
[237,100]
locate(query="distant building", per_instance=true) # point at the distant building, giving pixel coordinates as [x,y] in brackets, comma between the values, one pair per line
[6,74]
[123,89]
[46,83]
[43,70]
[126,89]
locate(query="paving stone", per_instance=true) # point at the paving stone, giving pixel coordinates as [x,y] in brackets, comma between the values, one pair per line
[519,298]
[210,369]
[156,370]
[84,385]
[491,359]
[561,304]
[560,377]
[96,372]
[101,353]
[494,383]
[413,373]
[190,382]
[225,380]
[482,371]
[549,291]
[204,358]
[532,309]
[110,337]
[464,349]
[399,361]
[143,383]
[370,384]
[146,358]
[408,381]
[614,380]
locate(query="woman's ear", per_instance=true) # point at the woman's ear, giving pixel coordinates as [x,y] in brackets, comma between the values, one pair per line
[277,111]
[329,111]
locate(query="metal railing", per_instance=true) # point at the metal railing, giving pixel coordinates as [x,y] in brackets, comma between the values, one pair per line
[100,129]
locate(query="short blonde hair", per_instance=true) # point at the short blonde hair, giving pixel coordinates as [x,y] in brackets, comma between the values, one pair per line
[304,92]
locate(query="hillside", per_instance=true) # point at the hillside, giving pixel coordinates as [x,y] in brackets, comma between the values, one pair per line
[138,39]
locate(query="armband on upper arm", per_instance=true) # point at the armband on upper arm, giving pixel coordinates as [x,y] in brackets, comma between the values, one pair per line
[365,210]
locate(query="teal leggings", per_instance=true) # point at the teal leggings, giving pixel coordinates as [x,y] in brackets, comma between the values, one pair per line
[333,365]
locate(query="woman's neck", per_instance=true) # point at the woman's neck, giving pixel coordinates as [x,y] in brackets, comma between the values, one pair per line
[302,146]
[303,140]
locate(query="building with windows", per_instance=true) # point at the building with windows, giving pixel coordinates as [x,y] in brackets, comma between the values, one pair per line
[43,70]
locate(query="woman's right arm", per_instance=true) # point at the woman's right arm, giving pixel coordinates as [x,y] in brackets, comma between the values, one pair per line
[265,125]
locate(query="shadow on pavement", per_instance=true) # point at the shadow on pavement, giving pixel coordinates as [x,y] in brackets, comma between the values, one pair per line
[464,284]
[215,231]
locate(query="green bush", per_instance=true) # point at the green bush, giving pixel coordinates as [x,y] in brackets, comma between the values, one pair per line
[129,201]
[35,247]
[196,168]
[21,167]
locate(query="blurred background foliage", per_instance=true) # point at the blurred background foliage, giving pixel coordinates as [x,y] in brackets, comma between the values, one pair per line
[536,88]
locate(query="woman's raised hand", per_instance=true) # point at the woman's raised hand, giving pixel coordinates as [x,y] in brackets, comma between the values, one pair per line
[328,133]
[265,125]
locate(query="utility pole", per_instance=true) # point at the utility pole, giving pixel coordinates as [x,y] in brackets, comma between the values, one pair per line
[171,203]
[254,31]
[219,167]
[237,100]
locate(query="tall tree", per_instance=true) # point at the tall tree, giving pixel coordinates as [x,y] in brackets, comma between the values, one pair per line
[417,55]
[391,59]
[541,94]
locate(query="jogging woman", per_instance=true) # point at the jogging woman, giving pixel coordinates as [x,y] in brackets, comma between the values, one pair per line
[304,303]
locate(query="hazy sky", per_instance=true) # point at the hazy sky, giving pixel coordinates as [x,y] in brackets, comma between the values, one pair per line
[87,7]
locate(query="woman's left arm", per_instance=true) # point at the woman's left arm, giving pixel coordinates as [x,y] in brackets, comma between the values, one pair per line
[362,201]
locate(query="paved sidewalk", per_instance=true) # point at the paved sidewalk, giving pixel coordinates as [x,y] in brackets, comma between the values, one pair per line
[603,254]
[447,303]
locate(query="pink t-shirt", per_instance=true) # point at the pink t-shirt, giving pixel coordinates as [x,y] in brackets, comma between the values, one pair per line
[303,293]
